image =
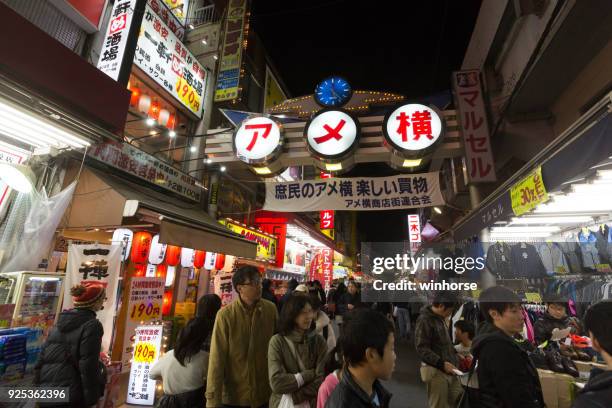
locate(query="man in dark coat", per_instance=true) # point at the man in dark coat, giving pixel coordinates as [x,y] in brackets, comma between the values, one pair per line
[350,300]
[71,355]
[368,346]
[507,377]
[293,283]
[598,391]
[438,355]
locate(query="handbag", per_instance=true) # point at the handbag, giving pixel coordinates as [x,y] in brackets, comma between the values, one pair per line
[287,400]
[471,395]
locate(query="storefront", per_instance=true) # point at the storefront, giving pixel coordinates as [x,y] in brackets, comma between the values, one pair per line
[546,231]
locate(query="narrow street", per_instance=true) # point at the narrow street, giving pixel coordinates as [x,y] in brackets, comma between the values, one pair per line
[406,386]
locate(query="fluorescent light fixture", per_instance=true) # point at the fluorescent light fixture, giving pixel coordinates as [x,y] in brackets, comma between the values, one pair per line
[150,121]
[215,57]
[411,163]
[193,149]
[222,168]
[152,132]
[37,278]
[512,230]
[333,166]
[262,170]
[520,235]
[172,133]
[208,161]
[26,127]
[204,42]
[191,27]
[577,219]
[437,210]
[18,177]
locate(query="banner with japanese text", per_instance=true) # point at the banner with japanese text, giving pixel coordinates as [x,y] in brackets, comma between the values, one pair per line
[266,243]
[228,78]
[147,350]
[95,263]
[528,193]
[224,289]
[355,194]
[144,306]
[129,159]
[162,56]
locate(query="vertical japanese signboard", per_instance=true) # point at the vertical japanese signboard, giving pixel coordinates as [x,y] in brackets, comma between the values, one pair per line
[162,56]
[116,38]
[147,349]
[231,52]
[414,232]
[327,264]
[273,94]
[95,263]
[169,17]
[474,126]
[326,217]
[528,193]
[144,306]
[224,288]
[179,9]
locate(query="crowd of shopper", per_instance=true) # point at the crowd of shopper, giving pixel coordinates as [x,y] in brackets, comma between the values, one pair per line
[246,354]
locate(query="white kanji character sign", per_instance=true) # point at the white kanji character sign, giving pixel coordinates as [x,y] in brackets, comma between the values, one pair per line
[412,127]
[257,139]
[331,133]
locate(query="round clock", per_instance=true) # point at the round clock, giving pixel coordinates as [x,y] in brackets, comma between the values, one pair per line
[333,92]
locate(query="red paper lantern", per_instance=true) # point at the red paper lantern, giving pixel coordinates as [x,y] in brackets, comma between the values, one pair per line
[134,97]
[167,302]
[140,270]
[154,110]
[220,261]
[141,244]
[161,271]
[173,255]
[198,259]
[171,121]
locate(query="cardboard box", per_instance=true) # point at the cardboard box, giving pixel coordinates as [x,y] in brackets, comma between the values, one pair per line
[549,388]
[565,390]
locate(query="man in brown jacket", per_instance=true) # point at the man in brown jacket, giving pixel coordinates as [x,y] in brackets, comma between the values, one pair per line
[238,364]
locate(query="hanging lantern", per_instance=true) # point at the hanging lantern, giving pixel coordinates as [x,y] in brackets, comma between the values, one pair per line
[170,273]
[157,252]
[124,237]
[187,257]
[154,110]
[141,245]
[144,103]
[161,271]
[164,115]
[135,97]
[220,261]
[140,270]
[173,255]
[209,262]
[171,124]
[167,302]
[198,259]
[151,270]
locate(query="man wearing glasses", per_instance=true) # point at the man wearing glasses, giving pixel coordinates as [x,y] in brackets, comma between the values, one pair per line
[238,365]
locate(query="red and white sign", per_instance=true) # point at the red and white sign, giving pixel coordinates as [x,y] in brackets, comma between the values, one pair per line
[123,236]
[257,139]
[414,232]
[326,216]
[327,220]
[168,17]
[413,127]
[10,155]
[113,47]
[331,133]
[474,126]
[157,253]
[327,263]
[224,288]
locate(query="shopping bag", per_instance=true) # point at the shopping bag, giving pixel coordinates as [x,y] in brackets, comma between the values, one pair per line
[287,402]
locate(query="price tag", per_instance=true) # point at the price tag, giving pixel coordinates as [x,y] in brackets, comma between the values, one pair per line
[533,297]
[145,352]
[528,193]
[187,94]
[145,311]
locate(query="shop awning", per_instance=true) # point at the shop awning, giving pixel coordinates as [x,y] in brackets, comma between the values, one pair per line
[573,155]
[103,200]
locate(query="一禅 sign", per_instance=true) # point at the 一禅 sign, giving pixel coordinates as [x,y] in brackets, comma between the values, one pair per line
[355,194]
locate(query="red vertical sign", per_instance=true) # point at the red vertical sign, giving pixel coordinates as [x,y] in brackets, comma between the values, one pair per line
[414,232]
[326,216]
[327,261]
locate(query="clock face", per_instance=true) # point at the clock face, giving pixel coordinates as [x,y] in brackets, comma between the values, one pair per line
[333,92]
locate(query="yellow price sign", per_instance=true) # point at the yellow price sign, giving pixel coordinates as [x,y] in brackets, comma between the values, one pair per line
[533,297]
[145,352]
[188,95]
[145,311]
[528,193]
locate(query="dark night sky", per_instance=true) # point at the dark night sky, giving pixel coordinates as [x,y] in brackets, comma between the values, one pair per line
[404,46]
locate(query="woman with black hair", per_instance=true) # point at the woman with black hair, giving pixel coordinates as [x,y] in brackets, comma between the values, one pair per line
[183,370]
[296,356]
